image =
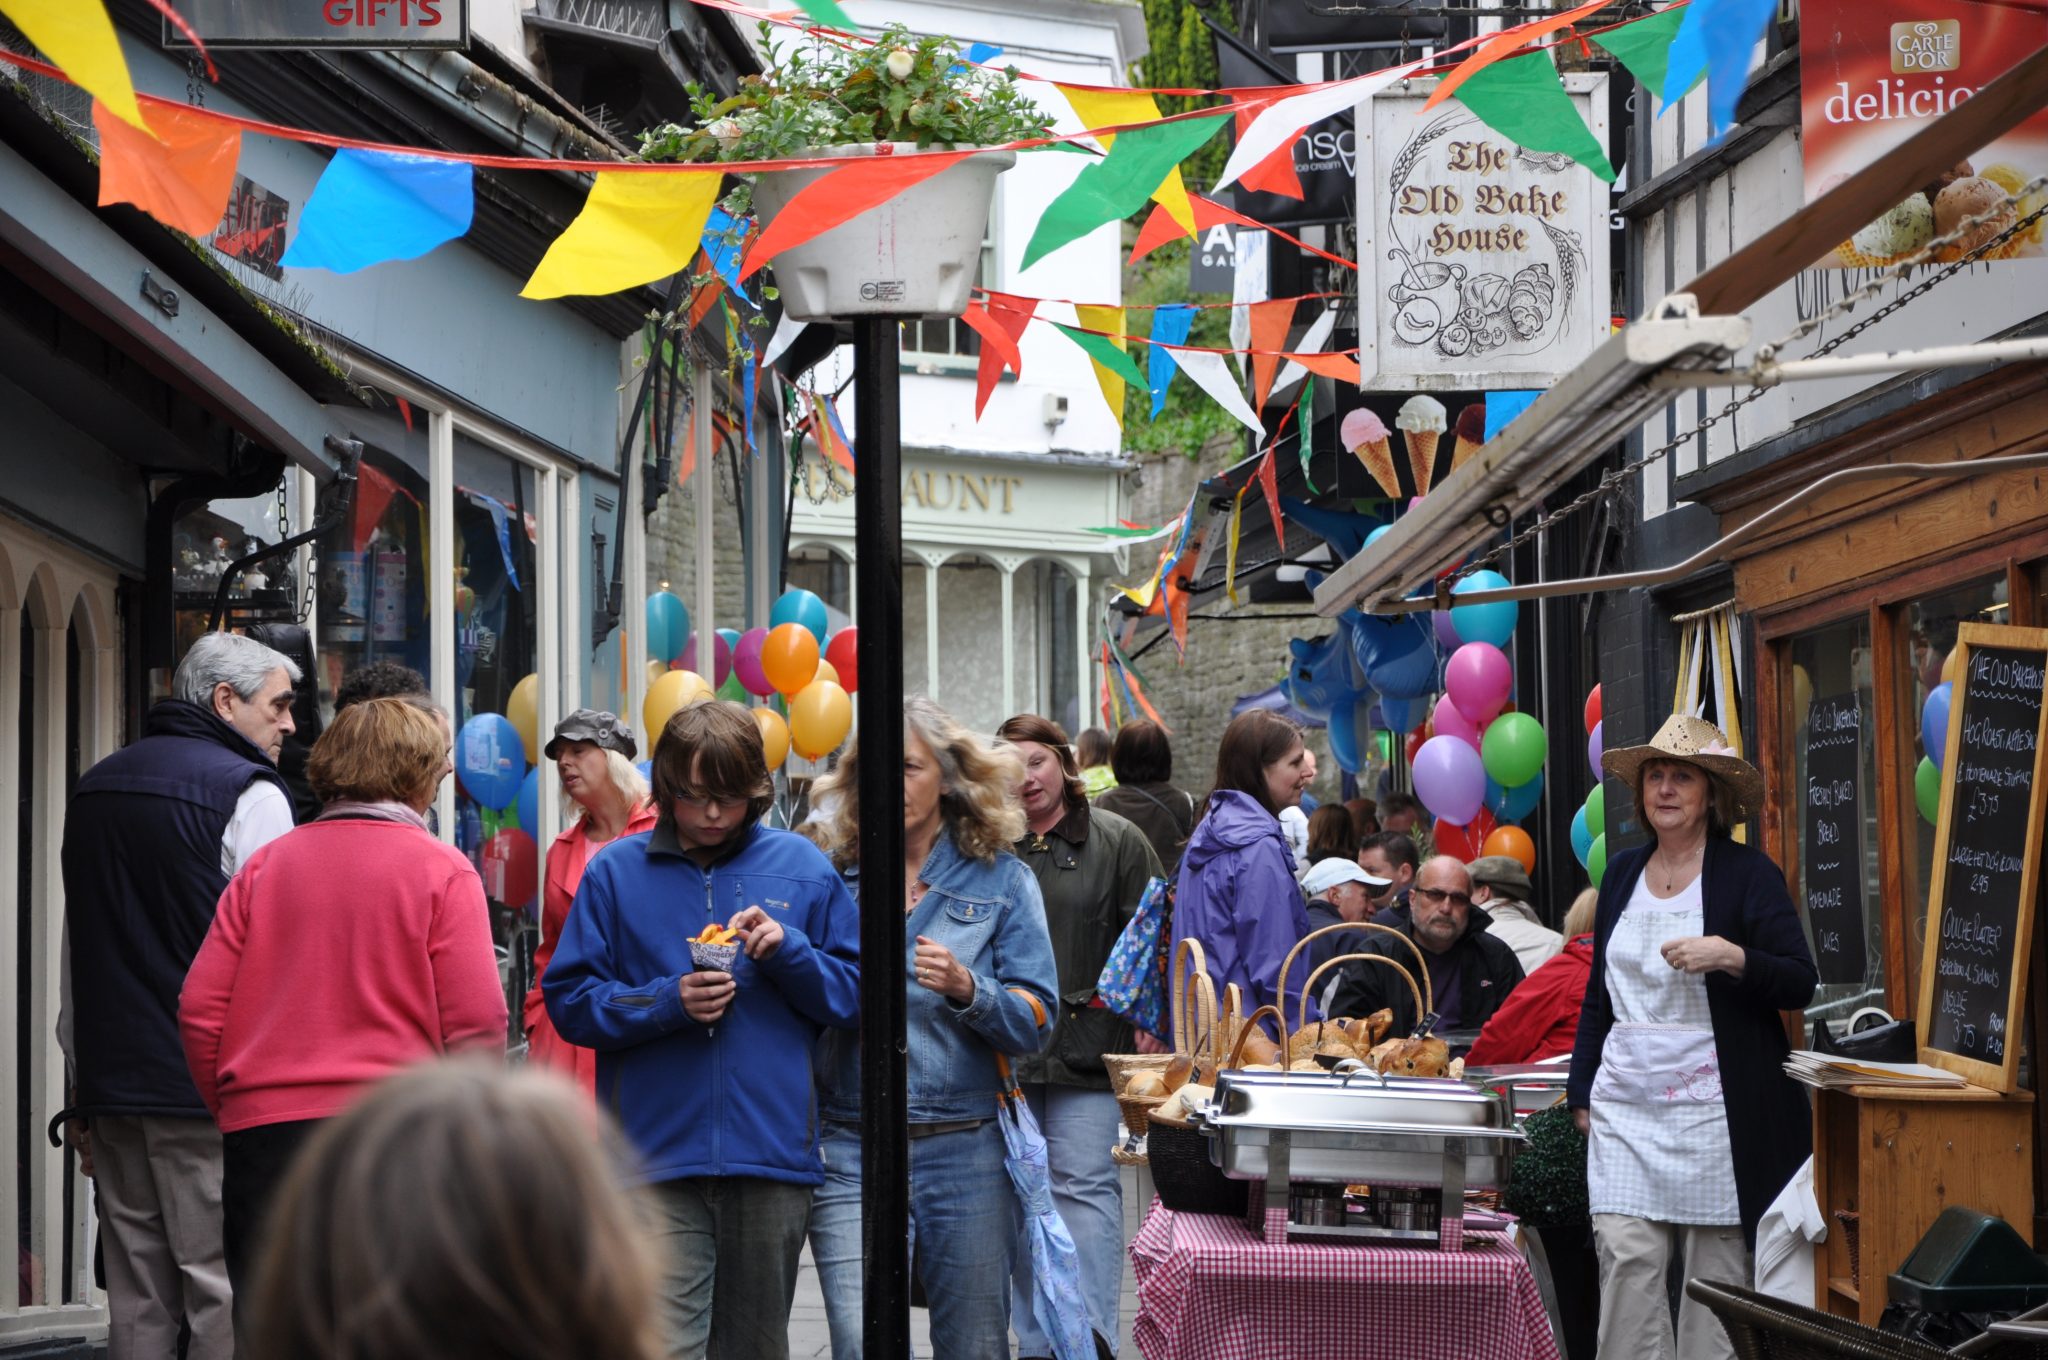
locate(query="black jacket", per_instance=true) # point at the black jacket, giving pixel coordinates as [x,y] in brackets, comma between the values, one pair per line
[1164,813]
[142,848]
[1770,1124]
[1487,971]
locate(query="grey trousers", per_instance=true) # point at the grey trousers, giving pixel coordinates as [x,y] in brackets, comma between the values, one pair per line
[158,1184]
[731,1247]
[1636,1256]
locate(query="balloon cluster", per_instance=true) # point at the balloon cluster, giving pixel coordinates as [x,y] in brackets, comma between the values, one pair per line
[494,764]
[1589,823]
[1934,741]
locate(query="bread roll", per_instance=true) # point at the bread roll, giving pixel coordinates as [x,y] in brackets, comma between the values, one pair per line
[1145,1084]
[1379,1022]
[1179,1068]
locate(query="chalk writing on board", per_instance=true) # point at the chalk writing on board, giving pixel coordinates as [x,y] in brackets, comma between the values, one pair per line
[1832,856]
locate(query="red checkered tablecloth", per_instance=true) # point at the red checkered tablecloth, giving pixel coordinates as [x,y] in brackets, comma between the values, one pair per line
[1208,1288]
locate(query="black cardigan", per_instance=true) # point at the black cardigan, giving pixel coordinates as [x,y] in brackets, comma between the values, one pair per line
[1770,1125]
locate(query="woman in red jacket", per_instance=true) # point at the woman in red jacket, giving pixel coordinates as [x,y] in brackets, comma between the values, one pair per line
[1540,1018]
[593,752]
[343,951]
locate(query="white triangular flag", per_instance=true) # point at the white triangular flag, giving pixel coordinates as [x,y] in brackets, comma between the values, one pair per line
[1282,122]
[1312,342]
[786,331]
[1212,375]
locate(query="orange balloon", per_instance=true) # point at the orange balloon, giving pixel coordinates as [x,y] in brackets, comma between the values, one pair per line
[1513,842]
[820,715]
[789,658]
[774,736]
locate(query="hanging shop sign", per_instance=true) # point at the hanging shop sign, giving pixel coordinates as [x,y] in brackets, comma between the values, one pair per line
[379,24]
[1485,264]
[1875,72]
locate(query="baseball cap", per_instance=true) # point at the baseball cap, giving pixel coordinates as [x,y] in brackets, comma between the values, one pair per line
[1326,874]
[1504,872]
[596,727]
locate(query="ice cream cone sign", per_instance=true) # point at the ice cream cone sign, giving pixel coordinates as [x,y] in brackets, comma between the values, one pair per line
[1423,421]
[1366,436]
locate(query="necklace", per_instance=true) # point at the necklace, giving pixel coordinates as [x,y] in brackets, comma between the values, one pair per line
[1671,875]
[918,888]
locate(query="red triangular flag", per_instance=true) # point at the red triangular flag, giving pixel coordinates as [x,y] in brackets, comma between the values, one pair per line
[374,491]
[1270,321]
[1504,43]
[841,195]
[1000,332]
[1159,228]
[1269,482]
[1276,173]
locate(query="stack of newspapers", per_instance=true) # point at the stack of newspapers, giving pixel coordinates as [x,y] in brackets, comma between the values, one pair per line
[1827,1071]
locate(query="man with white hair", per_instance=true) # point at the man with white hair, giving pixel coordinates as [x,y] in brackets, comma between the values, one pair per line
[153,835]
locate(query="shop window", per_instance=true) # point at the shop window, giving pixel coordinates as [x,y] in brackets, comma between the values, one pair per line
[208,541]
[1835,839]
[372,585]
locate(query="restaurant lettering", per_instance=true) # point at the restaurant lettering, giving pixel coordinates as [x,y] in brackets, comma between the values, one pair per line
[961,492]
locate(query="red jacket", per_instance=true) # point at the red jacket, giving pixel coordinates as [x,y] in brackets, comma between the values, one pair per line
[567,859]
[342,952]
[1540,1018]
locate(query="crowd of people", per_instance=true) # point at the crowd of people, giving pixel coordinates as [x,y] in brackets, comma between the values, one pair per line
[253,1004]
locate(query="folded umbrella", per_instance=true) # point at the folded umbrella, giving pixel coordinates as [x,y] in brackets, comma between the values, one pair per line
[1056,1301]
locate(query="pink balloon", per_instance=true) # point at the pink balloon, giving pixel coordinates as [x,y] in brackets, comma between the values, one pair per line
[1450,780]
[1478,679]
[1449,721]
[721,658]
[746,662]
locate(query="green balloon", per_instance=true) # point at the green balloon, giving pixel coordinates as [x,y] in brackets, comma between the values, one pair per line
[1927,788]
[1596,860]
[733,690]
[1383,742]
[1514,749]
[1596,810]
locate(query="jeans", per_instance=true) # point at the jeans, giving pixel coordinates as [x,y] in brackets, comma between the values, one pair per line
[731,1247]
[963,1228]
[1080,1129]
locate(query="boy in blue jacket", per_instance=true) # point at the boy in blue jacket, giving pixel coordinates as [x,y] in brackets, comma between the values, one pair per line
[709,1072]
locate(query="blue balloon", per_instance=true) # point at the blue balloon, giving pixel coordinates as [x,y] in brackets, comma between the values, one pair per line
[1934,723]
[529,803]
[1395,652]
[1582,836]
[1403,715]
[800,606]
[1513,804]
[1319,675]
[1378,534]
[668,626]
[731,636]
[490,760]
[1351,733]
[1494,623]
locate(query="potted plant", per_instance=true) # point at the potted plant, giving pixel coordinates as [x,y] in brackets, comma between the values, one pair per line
[915,255]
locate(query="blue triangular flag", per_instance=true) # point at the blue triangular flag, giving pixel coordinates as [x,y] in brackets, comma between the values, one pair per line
[747,380]
[1716,36]
[1502,407]
[373,206]
[724,242]
[1170,325]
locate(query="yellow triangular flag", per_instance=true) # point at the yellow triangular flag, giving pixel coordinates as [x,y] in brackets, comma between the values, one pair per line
[78,37]
[636,227]
[1111,321]
[1117,108]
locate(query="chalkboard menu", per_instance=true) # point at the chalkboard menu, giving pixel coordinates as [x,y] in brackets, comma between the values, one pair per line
[1831,847]
[1980,909]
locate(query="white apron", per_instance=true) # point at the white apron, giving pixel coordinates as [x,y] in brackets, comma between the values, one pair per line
[1659,1145]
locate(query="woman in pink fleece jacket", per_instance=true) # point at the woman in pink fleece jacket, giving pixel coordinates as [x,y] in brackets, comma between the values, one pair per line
[343,951]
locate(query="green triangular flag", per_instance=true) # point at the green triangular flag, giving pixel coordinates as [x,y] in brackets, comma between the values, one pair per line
[1103,351]
[1523,100]
[1644,47]
[827,12]
[1120,183]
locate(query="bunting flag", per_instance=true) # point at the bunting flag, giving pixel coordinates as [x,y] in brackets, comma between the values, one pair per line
[838,197]
[1270,321]
[1113,364]
[1312,341]
[787,329]
[1503,44]
[181,176]
[1178,597]
[1269,483]
[1716,36]
[1523,100]
[634,228]
[843,444]
[1230,554]
[1305,420]
[1114,108]
[686,461]
[1110,703]
[1000,332]
[749,375]
[78,36]
[725,239]
[1159,228]
[1212,375]
[369,207]
[1644,47]
[1503,407]
[1119,184]
[1275,174]
[1279,123]
[827,12]
[823,420]
[1170,326]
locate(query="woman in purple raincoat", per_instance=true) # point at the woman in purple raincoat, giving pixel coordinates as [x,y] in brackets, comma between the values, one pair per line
[1236,892]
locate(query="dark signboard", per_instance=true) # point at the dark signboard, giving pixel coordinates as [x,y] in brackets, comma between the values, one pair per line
[381,24]
[1831,840]
[1325,154]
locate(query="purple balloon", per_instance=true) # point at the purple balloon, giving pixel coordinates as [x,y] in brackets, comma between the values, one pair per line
[721,657]
[746,662]
[1478,680]
[1450,780]
[1448,720]
[1446,635]
[1594,747]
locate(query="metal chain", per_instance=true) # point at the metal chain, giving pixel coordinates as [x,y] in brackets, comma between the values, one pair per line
[195,87]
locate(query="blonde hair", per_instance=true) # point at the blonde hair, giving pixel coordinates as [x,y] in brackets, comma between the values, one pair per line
[624,775]
[978,789]
[380,751]
[1579,919]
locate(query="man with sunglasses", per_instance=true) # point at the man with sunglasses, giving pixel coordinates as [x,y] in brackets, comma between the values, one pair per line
[1470,971]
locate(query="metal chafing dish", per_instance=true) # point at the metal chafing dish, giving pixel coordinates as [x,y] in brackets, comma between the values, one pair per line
[1357,1127]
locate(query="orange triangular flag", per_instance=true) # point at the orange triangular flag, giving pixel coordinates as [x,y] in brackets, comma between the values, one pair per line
[182,176]
[841,195]
[1343,367]
[1270,321]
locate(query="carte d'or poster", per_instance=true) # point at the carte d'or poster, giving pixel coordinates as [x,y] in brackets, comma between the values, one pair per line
[1875,72]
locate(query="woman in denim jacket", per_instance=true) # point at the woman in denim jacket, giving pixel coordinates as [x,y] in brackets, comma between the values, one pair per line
[980,971]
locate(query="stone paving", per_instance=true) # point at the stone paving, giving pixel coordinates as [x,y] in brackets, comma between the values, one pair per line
[808,1336]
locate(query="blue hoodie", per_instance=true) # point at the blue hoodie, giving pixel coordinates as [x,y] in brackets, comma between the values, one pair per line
[730,1099]
[1238,896]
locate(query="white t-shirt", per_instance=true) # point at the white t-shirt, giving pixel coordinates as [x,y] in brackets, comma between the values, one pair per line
[262,814]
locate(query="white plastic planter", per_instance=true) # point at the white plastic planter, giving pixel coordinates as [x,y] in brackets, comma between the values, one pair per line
[915,256]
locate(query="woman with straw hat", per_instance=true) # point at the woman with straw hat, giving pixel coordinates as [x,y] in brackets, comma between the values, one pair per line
[1677,1076]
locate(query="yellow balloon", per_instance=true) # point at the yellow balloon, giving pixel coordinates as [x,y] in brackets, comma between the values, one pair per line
[675,690]
[774,736]
[828,671]
[1952,666]
[655,670]
[1802,694]
[523,708]
[819,718]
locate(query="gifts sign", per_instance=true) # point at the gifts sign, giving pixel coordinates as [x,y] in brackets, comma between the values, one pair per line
[1981,902]
[1831,852]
